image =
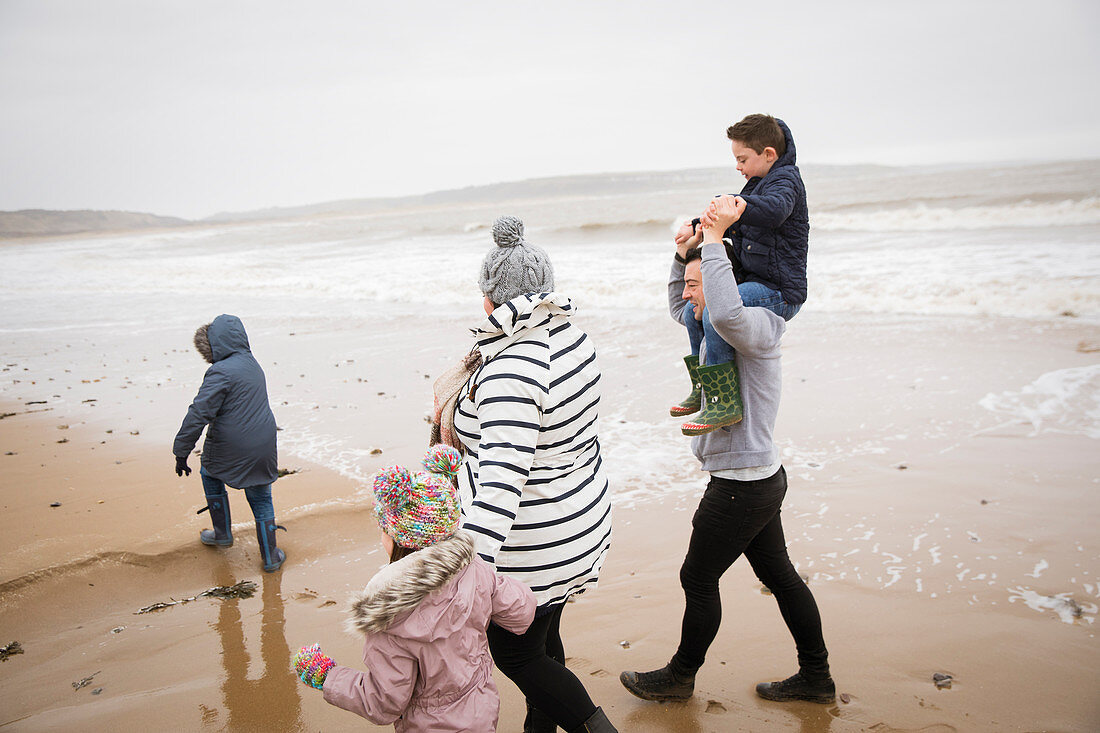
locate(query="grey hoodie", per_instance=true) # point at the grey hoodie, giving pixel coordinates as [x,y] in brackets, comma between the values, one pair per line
[240,444]
[755,333]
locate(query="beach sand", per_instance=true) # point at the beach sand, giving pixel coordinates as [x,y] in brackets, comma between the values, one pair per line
[937,533]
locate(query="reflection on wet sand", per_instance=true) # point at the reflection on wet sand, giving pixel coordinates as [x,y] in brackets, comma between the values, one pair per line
[270,701]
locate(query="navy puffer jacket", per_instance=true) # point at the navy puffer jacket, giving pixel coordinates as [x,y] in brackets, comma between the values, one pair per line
[771,239]
[240,444]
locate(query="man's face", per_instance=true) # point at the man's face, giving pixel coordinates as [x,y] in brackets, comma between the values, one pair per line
[693,285]
[752,164]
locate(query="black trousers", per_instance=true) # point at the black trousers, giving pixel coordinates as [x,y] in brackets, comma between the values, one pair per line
[737,518]
[535,661]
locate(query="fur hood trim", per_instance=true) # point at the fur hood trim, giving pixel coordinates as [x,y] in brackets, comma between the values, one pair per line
[202,343]
[402,585]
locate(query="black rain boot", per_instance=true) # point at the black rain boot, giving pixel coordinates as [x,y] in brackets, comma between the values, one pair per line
[222,534]
[538,721]
[660,685]
[272,556]
[797,687]
[598,723]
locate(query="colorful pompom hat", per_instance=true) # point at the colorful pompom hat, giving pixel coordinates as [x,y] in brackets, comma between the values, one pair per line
[419,509]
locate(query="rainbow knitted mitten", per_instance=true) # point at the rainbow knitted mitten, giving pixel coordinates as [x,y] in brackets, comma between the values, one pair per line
[312,666]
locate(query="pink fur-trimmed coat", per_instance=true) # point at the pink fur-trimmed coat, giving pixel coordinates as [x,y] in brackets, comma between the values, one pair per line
[426,655]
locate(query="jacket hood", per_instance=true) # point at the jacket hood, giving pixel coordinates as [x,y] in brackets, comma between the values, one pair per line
[412,582]
[789,156]
[226,336]
[509,321]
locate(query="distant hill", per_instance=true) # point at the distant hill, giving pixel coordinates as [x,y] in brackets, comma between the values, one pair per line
[42,223]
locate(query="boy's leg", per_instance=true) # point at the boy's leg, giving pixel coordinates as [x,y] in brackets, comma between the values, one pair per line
[694,328]
[692,402]
[718,380]
[761,296]
[259,498]
[217,502]
[718,351]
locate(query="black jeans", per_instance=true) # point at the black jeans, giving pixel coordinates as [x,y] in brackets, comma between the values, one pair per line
[535,661]
[735,518]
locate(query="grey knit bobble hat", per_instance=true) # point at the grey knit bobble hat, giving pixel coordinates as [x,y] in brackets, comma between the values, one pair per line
[514,267]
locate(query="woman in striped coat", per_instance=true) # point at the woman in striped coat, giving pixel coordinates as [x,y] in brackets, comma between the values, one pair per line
[534,495]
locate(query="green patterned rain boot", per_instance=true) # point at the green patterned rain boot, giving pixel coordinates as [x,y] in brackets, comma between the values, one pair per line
[694,401]
[722,404]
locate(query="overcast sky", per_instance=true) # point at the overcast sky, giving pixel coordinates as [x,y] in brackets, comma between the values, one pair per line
[193,107]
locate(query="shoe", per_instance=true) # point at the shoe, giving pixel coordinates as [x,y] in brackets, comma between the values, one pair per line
[538,721]
[798,687]
[694,401]
[722,405]
[222,534]
[598,723]
[272,556]
[660,685]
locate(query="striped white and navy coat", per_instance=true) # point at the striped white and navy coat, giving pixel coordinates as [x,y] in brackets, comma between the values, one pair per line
[532,486]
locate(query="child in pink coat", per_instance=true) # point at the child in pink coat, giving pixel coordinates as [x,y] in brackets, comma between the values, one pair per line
[424,615]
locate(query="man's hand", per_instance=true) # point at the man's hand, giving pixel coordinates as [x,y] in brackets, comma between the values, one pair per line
[709,217]
[722,213]
[181,466]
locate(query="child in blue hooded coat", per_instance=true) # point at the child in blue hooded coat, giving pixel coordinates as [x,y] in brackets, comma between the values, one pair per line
[240,448]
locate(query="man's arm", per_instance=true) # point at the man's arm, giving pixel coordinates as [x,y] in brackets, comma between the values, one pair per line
[752,331]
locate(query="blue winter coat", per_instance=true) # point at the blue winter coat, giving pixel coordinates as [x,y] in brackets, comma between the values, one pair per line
[771,239]
[240,442]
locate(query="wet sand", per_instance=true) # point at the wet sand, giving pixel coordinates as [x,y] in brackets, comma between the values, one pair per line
[937,537]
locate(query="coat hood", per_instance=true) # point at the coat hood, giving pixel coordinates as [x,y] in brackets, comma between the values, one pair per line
[412,582]
[509,321]
[226,336]
[789,156]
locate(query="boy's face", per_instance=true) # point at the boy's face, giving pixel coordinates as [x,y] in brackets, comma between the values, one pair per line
[752,164]
[693,285]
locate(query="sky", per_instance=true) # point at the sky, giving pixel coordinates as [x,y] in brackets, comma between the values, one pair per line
[190,108]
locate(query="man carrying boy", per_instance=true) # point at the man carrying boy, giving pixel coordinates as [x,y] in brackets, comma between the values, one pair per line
[769,243]
[739,511]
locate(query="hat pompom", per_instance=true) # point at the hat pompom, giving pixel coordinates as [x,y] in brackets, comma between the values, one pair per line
[442,459]
[391,487]
[508,231]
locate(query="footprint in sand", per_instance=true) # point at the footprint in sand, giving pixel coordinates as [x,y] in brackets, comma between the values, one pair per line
[715,708]
[580,663]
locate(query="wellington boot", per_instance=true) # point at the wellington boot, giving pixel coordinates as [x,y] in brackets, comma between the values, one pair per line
[222,534]
[693,403]
[722,404]
[272,556]
[597,723]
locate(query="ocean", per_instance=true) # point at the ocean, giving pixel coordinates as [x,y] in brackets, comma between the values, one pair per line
[353,307]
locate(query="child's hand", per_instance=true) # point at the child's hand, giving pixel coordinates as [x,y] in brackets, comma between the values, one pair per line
[312,666]
[722,212]
[685,234]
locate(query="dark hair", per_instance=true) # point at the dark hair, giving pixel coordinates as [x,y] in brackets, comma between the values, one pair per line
[695,253]
[399,552]
[759,132]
